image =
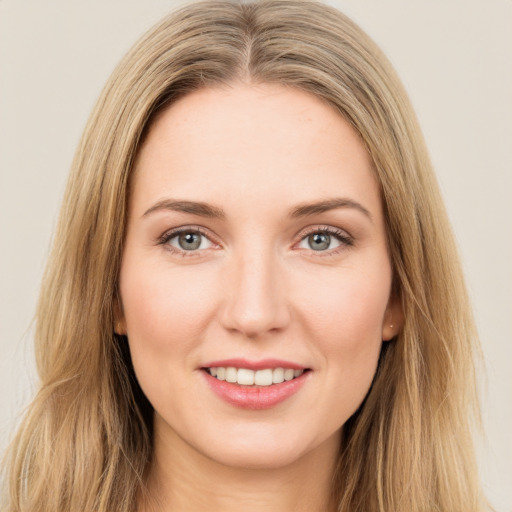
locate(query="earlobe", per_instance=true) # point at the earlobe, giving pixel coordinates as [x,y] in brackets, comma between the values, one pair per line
[393,319]
[389,331]
[119,320]
[119,328]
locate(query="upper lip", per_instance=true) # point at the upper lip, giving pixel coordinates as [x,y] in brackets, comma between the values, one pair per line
[261,364]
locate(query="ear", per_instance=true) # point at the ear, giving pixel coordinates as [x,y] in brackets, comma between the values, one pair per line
[119,320]
[393,320]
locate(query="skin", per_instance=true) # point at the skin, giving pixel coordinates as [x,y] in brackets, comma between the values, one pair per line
[255,288]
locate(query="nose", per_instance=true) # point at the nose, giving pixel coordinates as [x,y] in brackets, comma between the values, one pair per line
[256,302]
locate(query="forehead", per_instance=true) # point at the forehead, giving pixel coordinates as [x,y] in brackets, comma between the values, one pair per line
[266,144]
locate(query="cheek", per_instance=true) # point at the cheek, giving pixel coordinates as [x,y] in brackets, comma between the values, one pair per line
[345,322]
[164,308]
[165,312]
[348,309]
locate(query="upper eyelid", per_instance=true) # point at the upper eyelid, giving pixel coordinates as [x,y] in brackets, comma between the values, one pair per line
[171,233]
[323,228]
[331,230]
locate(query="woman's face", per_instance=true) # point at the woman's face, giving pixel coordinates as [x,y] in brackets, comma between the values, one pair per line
[256,252]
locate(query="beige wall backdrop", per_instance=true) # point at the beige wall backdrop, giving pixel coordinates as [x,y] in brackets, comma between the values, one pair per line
[455,57]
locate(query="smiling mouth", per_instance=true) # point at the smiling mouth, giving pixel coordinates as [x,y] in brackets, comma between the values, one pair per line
[247,377]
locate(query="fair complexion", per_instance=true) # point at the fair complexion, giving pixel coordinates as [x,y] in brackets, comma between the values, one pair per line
[280,260]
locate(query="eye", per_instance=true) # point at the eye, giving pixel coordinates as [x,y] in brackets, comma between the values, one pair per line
[320,241]
[188,240]
[325,239]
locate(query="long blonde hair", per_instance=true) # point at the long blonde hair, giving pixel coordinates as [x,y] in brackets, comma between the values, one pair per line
[86,441]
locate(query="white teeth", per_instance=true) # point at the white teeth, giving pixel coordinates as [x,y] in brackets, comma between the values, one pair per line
[246,377]
[231,374]
[263,377]
[278,376]
[288,374]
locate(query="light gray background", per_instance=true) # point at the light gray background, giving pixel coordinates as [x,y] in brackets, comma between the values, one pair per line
[455,58]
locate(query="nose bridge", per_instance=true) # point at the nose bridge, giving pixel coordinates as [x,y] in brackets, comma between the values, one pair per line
[256,297]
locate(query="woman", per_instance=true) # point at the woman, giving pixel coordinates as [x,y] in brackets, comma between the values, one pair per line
[254,297]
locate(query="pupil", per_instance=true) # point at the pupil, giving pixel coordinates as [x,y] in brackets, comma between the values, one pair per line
[319,241]
[189,241]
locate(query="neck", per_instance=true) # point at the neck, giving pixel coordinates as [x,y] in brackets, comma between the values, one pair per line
[182,479]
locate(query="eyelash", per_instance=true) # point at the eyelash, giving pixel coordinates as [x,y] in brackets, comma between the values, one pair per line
[169,235]
[343,237]
[346,241]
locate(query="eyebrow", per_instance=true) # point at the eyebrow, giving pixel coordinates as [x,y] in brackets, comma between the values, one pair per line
[302,210]
[193,207]
[305,210]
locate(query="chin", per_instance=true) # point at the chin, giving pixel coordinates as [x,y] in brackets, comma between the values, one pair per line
[267,451]
[255,459]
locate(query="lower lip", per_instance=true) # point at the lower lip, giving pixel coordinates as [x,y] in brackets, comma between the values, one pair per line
[255,397]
